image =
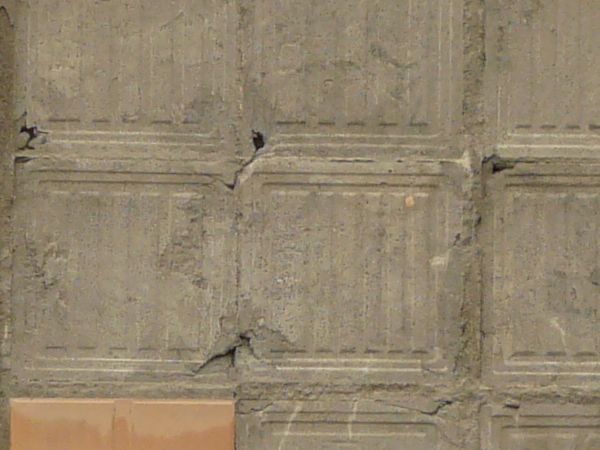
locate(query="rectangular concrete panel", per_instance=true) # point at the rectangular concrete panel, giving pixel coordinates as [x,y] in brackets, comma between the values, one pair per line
[97,424]
[377,75]
[358,425]
[542,60]
[541,426]
[119,273]
[542,292]
[148,77]
[349,270]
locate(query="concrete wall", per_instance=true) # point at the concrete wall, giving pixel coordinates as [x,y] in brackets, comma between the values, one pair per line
[7,65]
[410,261]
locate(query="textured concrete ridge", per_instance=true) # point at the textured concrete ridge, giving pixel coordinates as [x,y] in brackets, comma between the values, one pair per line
[372,224]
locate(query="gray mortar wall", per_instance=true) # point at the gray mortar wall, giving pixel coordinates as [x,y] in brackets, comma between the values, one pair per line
[411,261]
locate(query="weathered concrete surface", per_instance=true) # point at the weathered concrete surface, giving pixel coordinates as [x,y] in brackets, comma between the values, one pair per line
[542,300]
[392,423]
[7,73]
[564,426]
[160,242]
[328,249]
[409,258]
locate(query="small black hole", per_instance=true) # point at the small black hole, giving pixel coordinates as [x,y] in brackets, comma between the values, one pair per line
[258,140]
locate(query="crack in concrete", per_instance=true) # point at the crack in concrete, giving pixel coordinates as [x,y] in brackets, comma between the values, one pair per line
[441,405]
[228,353]
[238,173]
[243,340]
[7,8]
[23,159]
[497,163]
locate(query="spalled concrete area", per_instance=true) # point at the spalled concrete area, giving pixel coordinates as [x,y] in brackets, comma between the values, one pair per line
[372,224]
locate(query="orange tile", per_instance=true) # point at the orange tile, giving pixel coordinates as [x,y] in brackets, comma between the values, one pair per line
[61,424]
[98,424]
[184,425]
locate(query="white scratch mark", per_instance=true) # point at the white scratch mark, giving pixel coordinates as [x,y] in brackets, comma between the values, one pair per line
[352,419]
[556,324]
[289,426]
[440,261]
[465,160]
